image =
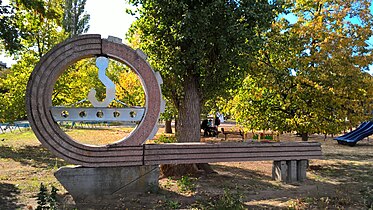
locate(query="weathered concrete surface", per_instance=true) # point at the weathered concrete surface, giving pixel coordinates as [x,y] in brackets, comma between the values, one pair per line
[279,171]
[292,171]
[92,186]
[302,170]
[289,171]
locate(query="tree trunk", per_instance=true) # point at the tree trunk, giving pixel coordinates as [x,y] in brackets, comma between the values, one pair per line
[176,122]
[172,170]
[304,136]
[188,126]
[168,128]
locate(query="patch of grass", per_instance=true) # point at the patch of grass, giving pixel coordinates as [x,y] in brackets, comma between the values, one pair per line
[17,135]
[168,184]
[298,204]
[339,200]
[227,201]
[45,199]
[165,139]
[98,136]
[342,171]
[172,204]
[367,194]
[35,156]
[19,139]
[186,184]
[313,203]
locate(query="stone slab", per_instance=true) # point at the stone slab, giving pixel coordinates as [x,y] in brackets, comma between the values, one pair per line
[100,185]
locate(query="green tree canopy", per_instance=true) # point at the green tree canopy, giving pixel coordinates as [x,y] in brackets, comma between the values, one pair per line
[75,19]
[37,25]
[31,25]
[310,74]
[8,32]
[201,48]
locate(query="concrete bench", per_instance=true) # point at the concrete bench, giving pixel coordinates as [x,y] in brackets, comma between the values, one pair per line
[290,159]
[226,133]
[141,171]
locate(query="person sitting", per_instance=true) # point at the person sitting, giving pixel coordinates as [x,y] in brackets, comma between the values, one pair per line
[208,130]
[205,127]
[217,122]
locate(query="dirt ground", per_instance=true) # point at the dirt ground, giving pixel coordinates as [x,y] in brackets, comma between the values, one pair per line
[342,180]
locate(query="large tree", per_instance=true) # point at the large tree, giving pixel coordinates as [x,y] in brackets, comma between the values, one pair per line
[8,32]
[201,48]
[35,28]
[75,18]
[312,75]
[38,29]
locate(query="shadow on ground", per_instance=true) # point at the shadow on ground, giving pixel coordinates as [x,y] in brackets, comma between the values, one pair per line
[8,197]
[228,175]
[341,185]
[345,172]
[35,156]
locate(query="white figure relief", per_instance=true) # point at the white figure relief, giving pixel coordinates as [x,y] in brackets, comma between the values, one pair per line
[102,63]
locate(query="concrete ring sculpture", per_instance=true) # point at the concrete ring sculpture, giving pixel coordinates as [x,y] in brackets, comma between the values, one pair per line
[128,151]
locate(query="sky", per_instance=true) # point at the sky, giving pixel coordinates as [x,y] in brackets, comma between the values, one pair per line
[108,18]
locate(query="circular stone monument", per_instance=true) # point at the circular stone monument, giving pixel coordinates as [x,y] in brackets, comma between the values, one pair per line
[43,116]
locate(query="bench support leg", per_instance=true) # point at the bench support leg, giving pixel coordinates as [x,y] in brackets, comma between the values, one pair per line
[279,171]
[292,171]
[302,170]
[289,171]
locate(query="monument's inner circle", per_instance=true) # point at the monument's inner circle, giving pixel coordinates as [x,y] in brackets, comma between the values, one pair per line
[98,101]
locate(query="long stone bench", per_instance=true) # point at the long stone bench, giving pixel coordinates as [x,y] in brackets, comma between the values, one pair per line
[290,159]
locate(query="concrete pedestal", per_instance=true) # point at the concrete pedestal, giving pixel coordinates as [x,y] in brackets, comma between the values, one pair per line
[289,171]
[279,171]
[97,185]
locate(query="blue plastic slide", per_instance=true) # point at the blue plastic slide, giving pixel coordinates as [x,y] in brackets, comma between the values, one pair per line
[351,138]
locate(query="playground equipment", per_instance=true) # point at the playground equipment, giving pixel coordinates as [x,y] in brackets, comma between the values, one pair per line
[351,138]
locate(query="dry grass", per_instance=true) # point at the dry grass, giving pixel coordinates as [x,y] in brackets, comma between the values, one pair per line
[341,181]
